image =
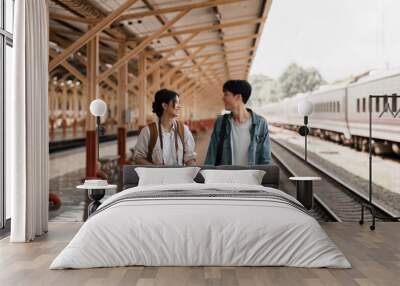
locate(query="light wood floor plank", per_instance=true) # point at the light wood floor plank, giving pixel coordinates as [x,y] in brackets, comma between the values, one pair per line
[375,257]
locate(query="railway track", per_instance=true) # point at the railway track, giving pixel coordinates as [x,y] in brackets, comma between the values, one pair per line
[339,199]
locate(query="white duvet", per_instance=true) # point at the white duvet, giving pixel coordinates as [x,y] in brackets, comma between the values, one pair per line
[200,231]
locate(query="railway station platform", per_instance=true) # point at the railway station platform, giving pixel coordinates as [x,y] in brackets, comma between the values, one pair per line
[92,78]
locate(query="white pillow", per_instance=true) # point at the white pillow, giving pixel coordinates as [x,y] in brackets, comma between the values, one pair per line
[166,176]
[248,177]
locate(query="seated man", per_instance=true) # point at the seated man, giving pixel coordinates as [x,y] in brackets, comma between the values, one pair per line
[167,141]
[240,137]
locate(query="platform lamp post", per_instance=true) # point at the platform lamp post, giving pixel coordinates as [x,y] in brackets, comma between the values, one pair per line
[305,108]
[98,108]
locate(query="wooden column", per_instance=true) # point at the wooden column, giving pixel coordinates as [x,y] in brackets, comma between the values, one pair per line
[75,109]
[92,91]
[64,100]
[84,109]
[142,90]
[112,115]
[168,83]
[173,84]
[122,96]
[156,80]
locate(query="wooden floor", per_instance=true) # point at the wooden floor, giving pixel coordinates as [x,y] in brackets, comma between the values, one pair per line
[375,257]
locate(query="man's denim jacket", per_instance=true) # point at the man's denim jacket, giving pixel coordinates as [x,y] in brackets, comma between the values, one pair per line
[258,151]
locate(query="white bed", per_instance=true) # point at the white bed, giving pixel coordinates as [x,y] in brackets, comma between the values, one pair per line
[184,230]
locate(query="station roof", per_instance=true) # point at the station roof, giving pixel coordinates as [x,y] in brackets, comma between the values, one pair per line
[210,39]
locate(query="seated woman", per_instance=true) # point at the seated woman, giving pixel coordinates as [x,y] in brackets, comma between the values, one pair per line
[167,141]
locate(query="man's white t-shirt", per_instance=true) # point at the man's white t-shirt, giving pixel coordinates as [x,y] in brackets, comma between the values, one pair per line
[240,141]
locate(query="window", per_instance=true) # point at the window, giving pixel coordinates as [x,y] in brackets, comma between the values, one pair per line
[377,103]
[385,102]
[358,105]
[338,106]
[394,104]
[364,104]
[6,65]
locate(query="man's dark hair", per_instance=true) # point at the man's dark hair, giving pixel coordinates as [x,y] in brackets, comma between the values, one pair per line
[241,87]
[163,96]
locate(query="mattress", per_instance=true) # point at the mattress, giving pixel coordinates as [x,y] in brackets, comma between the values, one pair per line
[201,225]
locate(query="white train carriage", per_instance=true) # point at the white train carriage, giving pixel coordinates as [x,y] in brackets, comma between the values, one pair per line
[329,115]
[386,127]
[274,113]
[341,112]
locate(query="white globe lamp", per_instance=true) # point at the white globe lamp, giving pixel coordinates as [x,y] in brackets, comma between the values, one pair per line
[305,108]
[98,107]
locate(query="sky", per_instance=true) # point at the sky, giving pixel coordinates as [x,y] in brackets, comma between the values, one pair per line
[338,37]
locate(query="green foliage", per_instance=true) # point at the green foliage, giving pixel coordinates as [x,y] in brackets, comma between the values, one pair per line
[295,79]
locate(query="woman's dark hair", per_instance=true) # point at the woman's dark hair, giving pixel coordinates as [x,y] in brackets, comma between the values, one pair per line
[241,87]
[163,96]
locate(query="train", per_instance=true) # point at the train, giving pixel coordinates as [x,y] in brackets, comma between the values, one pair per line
[341,112]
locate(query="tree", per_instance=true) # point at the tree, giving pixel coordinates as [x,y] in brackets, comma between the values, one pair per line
[295,79]
[264,90]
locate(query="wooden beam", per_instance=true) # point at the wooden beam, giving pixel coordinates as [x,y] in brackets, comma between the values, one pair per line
[198,69]
[58,16]
[178,82]
[92,88]
[122,93]
[219,62]
[186,85]
[111,84]
[90,34]
[179,66]
[206,74]
[233,67]
[141,46]
[76,73]
[216,54]
[68,32]
[208,43]
[173,9]
[165,58]
[214,27]
[222,37]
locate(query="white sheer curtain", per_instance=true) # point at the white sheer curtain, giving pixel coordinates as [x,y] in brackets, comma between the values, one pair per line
[27,123]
